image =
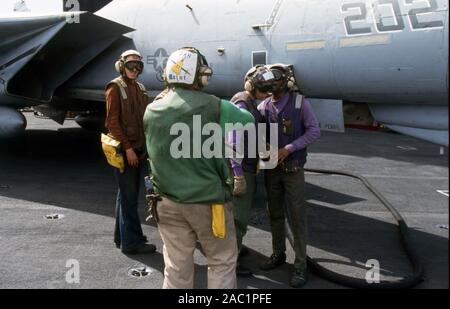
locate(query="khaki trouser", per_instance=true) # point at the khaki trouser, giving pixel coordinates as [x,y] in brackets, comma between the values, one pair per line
[180,226]
[241,208]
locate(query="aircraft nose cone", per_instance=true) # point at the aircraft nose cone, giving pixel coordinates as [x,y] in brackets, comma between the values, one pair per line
[12,123]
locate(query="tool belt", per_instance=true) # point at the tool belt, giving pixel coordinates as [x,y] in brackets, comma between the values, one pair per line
[292,166]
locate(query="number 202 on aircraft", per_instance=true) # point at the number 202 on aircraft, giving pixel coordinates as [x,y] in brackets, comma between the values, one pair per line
[415,15]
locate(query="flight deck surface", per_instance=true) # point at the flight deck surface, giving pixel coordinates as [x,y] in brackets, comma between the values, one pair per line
[61,170]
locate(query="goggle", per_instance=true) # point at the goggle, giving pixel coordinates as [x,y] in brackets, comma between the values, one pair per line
[135,66]
[277,74]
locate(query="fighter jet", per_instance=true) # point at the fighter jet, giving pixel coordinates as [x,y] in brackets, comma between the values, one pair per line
[389,54]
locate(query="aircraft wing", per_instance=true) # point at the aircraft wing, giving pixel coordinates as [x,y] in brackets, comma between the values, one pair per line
[39,53]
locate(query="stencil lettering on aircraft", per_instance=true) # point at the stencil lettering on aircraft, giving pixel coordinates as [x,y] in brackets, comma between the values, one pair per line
[358,23]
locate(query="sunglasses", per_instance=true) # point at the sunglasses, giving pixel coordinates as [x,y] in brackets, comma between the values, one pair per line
[135,66]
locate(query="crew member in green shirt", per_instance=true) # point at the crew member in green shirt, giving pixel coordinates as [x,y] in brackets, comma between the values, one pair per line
[185,131]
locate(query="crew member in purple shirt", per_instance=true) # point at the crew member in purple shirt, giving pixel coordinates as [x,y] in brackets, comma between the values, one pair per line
[297,129]
[258,82]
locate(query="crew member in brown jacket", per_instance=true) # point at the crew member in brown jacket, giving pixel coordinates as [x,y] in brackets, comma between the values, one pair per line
[126,101]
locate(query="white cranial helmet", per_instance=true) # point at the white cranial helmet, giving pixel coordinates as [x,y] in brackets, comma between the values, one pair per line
[187,67]
[119,63]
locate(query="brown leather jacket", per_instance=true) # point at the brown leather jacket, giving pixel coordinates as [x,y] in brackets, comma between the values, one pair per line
[126,101]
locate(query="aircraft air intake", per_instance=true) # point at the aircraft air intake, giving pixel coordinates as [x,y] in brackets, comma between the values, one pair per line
[38,54]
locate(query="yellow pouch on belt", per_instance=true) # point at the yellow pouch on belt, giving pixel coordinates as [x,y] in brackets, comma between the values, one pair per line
[113,152]
[218,220]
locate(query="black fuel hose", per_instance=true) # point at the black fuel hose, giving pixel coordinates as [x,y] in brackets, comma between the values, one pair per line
[406,282]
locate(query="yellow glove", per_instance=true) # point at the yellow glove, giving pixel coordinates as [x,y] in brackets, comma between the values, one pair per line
[218,220]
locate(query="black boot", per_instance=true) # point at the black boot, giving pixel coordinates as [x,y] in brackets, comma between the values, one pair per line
[275,260]
[298,278]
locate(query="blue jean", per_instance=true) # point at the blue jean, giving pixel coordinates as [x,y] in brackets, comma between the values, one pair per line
[128,232]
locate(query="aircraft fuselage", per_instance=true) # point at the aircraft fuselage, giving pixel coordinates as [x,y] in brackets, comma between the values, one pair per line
[377,51]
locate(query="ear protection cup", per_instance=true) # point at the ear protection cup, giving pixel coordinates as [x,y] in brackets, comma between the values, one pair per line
[204,72]
[248,81]
[290,83]
[119,66]
[249,86]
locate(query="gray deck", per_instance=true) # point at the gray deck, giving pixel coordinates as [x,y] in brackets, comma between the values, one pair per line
[60,169]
